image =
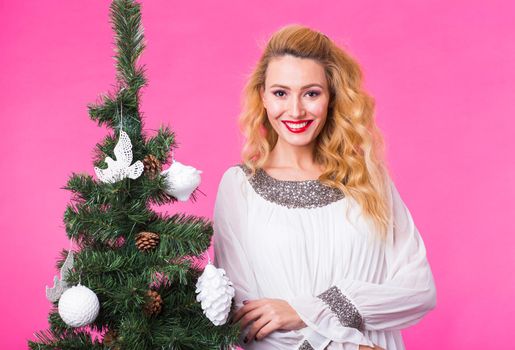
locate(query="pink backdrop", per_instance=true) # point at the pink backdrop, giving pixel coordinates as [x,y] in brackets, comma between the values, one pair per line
[443,76]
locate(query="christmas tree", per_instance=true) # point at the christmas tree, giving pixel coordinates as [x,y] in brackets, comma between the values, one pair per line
[132,279]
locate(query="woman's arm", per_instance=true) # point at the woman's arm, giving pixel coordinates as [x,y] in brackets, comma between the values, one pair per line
[346,308]
[229,223]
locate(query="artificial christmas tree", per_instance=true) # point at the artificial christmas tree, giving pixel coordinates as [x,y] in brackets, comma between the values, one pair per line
[132,278]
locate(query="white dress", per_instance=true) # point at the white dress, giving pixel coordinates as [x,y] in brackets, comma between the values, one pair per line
[292,240]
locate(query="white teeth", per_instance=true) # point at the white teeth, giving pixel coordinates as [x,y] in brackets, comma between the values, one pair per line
[297,126]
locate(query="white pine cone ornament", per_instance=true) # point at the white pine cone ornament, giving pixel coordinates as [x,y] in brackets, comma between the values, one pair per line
[181,180]
[215,293]
[78,306]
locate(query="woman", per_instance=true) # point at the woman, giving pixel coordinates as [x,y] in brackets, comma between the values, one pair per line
[311,230]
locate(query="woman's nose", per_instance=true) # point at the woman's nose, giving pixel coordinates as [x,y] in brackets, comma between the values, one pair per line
[296,108]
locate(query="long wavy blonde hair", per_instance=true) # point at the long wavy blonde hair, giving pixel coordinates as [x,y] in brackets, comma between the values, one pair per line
[350,147]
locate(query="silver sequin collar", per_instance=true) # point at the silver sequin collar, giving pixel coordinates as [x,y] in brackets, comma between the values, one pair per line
[292,193]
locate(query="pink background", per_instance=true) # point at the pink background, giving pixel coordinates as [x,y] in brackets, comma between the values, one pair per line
[442,74]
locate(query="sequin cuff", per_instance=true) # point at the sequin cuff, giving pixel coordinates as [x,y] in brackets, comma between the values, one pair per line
[305,346]
[347,313]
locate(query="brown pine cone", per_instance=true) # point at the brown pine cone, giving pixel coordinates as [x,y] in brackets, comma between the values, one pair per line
[152,165]
[111,340]
[146,241]
[154,304]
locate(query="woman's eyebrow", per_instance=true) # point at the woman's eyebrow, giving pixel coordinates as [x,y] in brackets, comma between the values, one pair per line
[304,87]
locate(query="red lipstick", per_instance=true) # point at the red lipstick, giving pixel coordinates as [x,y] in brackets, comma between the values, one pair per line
[293,125]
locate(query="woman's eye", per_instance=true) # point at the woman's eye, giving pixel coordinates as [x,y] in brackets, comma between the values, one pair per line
[310,93]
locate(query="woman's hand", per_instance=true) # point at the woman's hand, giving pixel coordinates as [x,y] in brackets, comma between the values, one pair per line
[364,347]
[267,316]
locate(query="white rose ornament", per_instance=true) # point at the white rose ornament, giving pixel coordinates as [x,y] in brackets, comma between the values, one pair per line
[181,180]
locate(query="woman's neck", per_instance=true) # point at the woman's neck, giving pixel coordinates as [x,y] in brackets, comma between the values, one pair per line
[288,162]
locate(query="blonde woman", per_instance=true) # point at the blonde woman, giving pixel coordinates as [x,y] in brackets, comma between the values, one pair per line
[321,249]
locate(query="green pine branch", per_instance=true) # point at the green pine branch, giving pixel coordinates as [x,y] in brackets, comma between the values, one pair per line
[76,340]
[126,20]
[160,144]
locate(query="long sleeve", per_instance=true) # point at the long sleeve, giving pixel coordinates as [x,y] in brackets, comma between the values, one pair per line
[229,223]
[348,307]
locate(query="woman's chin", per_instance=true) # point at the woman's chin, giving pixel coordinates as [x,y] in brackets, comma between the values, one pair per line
[299,141]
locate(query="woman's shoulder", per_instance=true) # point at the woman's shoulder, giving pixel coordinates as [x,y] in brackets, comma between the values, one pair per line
[234,177]
[236,171]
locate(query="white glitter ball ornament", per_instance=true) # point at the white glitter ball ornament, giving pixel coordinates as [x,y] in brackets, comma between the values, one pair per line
[215,293]
[181,180]
[78,306]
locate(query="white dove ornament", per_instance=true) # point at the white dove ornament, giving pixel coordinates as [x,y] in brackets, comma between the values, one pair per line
[120,168]
[60,285]
[181,180]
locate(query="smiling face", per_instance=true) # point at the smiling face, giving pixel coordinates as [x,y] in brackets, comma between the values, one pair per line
[296,98]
